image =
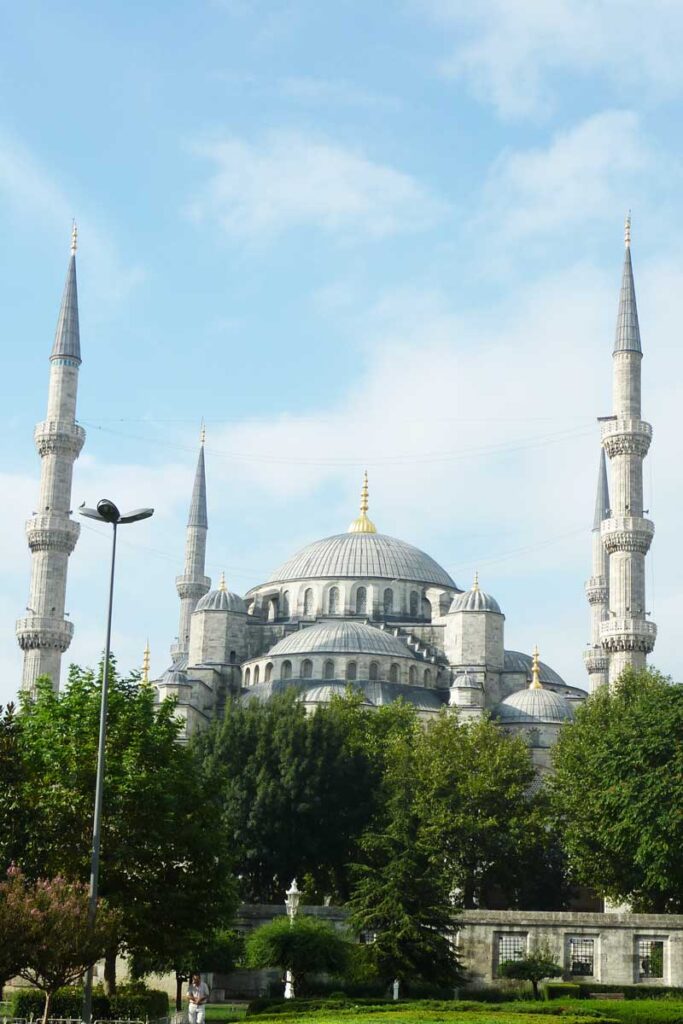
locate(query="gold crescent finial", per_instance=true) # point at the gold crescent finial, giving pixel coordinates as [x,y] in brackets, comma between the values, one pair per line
[363,524]
[74,237]
[145,663]
[202,432]
[535,683]
[221,584]
[475,585]
[627,230]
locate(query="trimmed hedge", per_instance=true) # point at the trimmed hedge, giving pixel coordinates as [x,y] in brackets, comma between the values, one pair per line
[130,1002]
[561,990]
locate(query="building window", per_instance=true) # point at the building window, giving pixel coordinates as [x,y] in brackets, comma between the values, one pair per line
[306,668]
[285,605]
[650,959]
[351,670]
[414,603]
[328,670]
[308,601]
[393,673]
[272,609]
[233,657]
[510,947]
[361,601]
[428,677]
[426,609]
[269,671]
[373,675]
[581,956]
[247,677]
[256,674]
[388,601]
[412,675]
[286,670]
[333,601]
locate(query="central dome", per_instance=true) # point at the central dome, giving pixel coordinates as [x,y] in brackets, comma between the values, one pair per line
[358,555]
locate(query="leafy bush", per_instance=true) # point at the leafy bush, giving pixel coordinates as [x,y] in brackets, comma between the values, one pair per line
[633,991]
[134,1002]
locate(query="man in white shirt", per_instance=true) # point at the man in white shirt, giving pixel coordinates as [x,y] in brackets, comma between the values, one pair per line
[197,995]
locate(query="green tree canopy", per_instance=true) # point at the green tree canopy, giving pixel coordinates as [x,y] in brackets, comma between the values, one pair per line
[618,795]
[303,946]
[540,963]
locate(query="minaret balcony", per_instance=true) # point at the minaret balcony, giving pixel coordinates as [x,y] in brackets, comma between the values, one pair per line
[44,632]
[56,437]
[192,586]
[597,590]
[628,635]
[596,660]
[52,532]
[626,437]
[627,533]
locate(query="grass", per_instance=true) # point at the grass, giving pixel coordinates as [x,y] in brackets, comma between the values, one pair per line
[225,1013]
[416,1013]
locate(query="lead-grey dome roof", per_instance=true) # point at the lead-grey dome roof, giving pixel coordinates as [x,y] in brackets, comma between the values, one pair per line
[221,601]
[323,694]
[358,555]
[515,661]
[533,706]
[341,638]
[475,600]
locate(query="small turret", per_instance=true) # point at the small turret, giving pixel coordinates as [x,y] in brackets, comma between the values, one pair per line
[473,638]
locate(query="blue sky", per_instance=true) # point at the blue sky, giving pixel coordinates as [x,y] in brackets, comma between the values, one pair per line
[347,235]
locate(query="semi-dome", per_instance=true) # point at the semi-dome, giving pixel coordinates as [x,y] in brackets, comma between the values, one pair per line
[534,706]
[475,600]
[341,638]
[323,694]
[359,555]
[221,600]
[515,661]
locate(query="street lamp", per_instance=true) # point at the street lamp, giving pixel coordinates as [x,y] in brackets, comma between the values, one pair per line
[292,905]
[106,512]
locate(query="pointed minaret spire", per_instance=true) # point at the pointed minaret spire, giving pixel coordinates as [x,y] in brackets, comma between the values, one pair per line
[45,633]
[362,524]
[602,494]
[627,336]
[193,584]
[146,656]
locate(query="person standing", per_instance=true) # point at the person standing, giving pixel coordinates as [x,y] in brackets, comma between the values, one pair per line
[198,996]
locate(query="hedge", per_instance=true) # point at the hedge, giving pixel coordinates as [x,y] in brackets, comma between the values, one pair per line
[562,990]
[130,1003]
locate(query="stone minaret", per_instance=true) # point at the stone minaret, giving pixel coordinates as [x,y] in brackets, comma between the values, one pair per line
[44,634]
[193,584]
[597,587]
[627,635]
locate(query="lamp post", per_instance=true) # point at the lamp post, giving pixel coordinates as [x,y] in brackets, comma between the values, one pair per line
[292,904]
[106,512]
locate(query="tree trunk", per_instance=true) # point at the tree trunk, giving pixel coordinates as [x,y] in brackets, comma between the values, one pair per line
[110,972]
[178,992]
[47,1007]
[534,985]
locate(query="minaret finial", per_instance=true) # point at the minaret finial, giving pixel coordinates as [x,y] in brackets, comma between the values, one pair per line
[627,230]
[475,585]
[74,237]
[535,683]
[145,663]
[363,524]
[202,432]
[222,584]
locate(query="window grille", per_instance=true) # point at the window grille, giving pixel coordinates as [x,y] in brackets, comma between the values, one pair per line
[511,947]
[650,959]
[581,956]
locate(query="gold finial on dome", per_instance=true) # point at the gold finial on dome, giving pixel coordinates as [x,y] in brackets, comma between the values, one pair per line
[363,524]
[145,663]
[221,584]
[535,683]
[74,237]
[475,585]
[627,230]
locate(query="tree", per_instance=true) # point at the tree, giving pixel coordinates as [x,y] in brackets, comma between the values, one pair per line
[160,857]
[617,795]
[13,822]
[303,946]
[474,801]
[534,967]
[52,930]
[189,952]
[401,902]
[13,938]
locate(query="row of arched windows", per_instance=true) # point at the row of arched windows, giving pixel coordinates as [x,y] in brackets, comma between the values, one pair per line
[351,672]
[281,607]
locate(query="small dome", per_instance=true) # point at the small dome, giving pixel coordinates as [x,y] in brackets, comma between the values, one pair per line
[341,638]
[533,706]
[464,681]
[324,694]
[221,600]
[516,661]
[174,676]
[475,600]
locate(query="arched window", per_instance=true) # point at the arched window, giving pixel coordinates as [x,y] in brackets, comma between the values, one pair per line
[333,601]
[351,670]
[361,601]
[256,674]
[286,672]
[285,605]
[426,609]
[306,668]
[412,675]
[247,677]
[272,609]
[388,601]
[393,673]
[269,671]
[233,657]
[374,671]
[328,670]
[414,603]
[428,677]
[308,601]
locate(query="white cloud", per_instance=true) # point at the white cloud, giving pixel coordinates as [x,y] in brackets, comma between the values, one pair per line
[510,51]
[290,180]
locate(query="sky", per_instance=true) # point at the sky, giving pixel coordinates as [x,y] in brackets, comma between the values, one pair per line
[347,236]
